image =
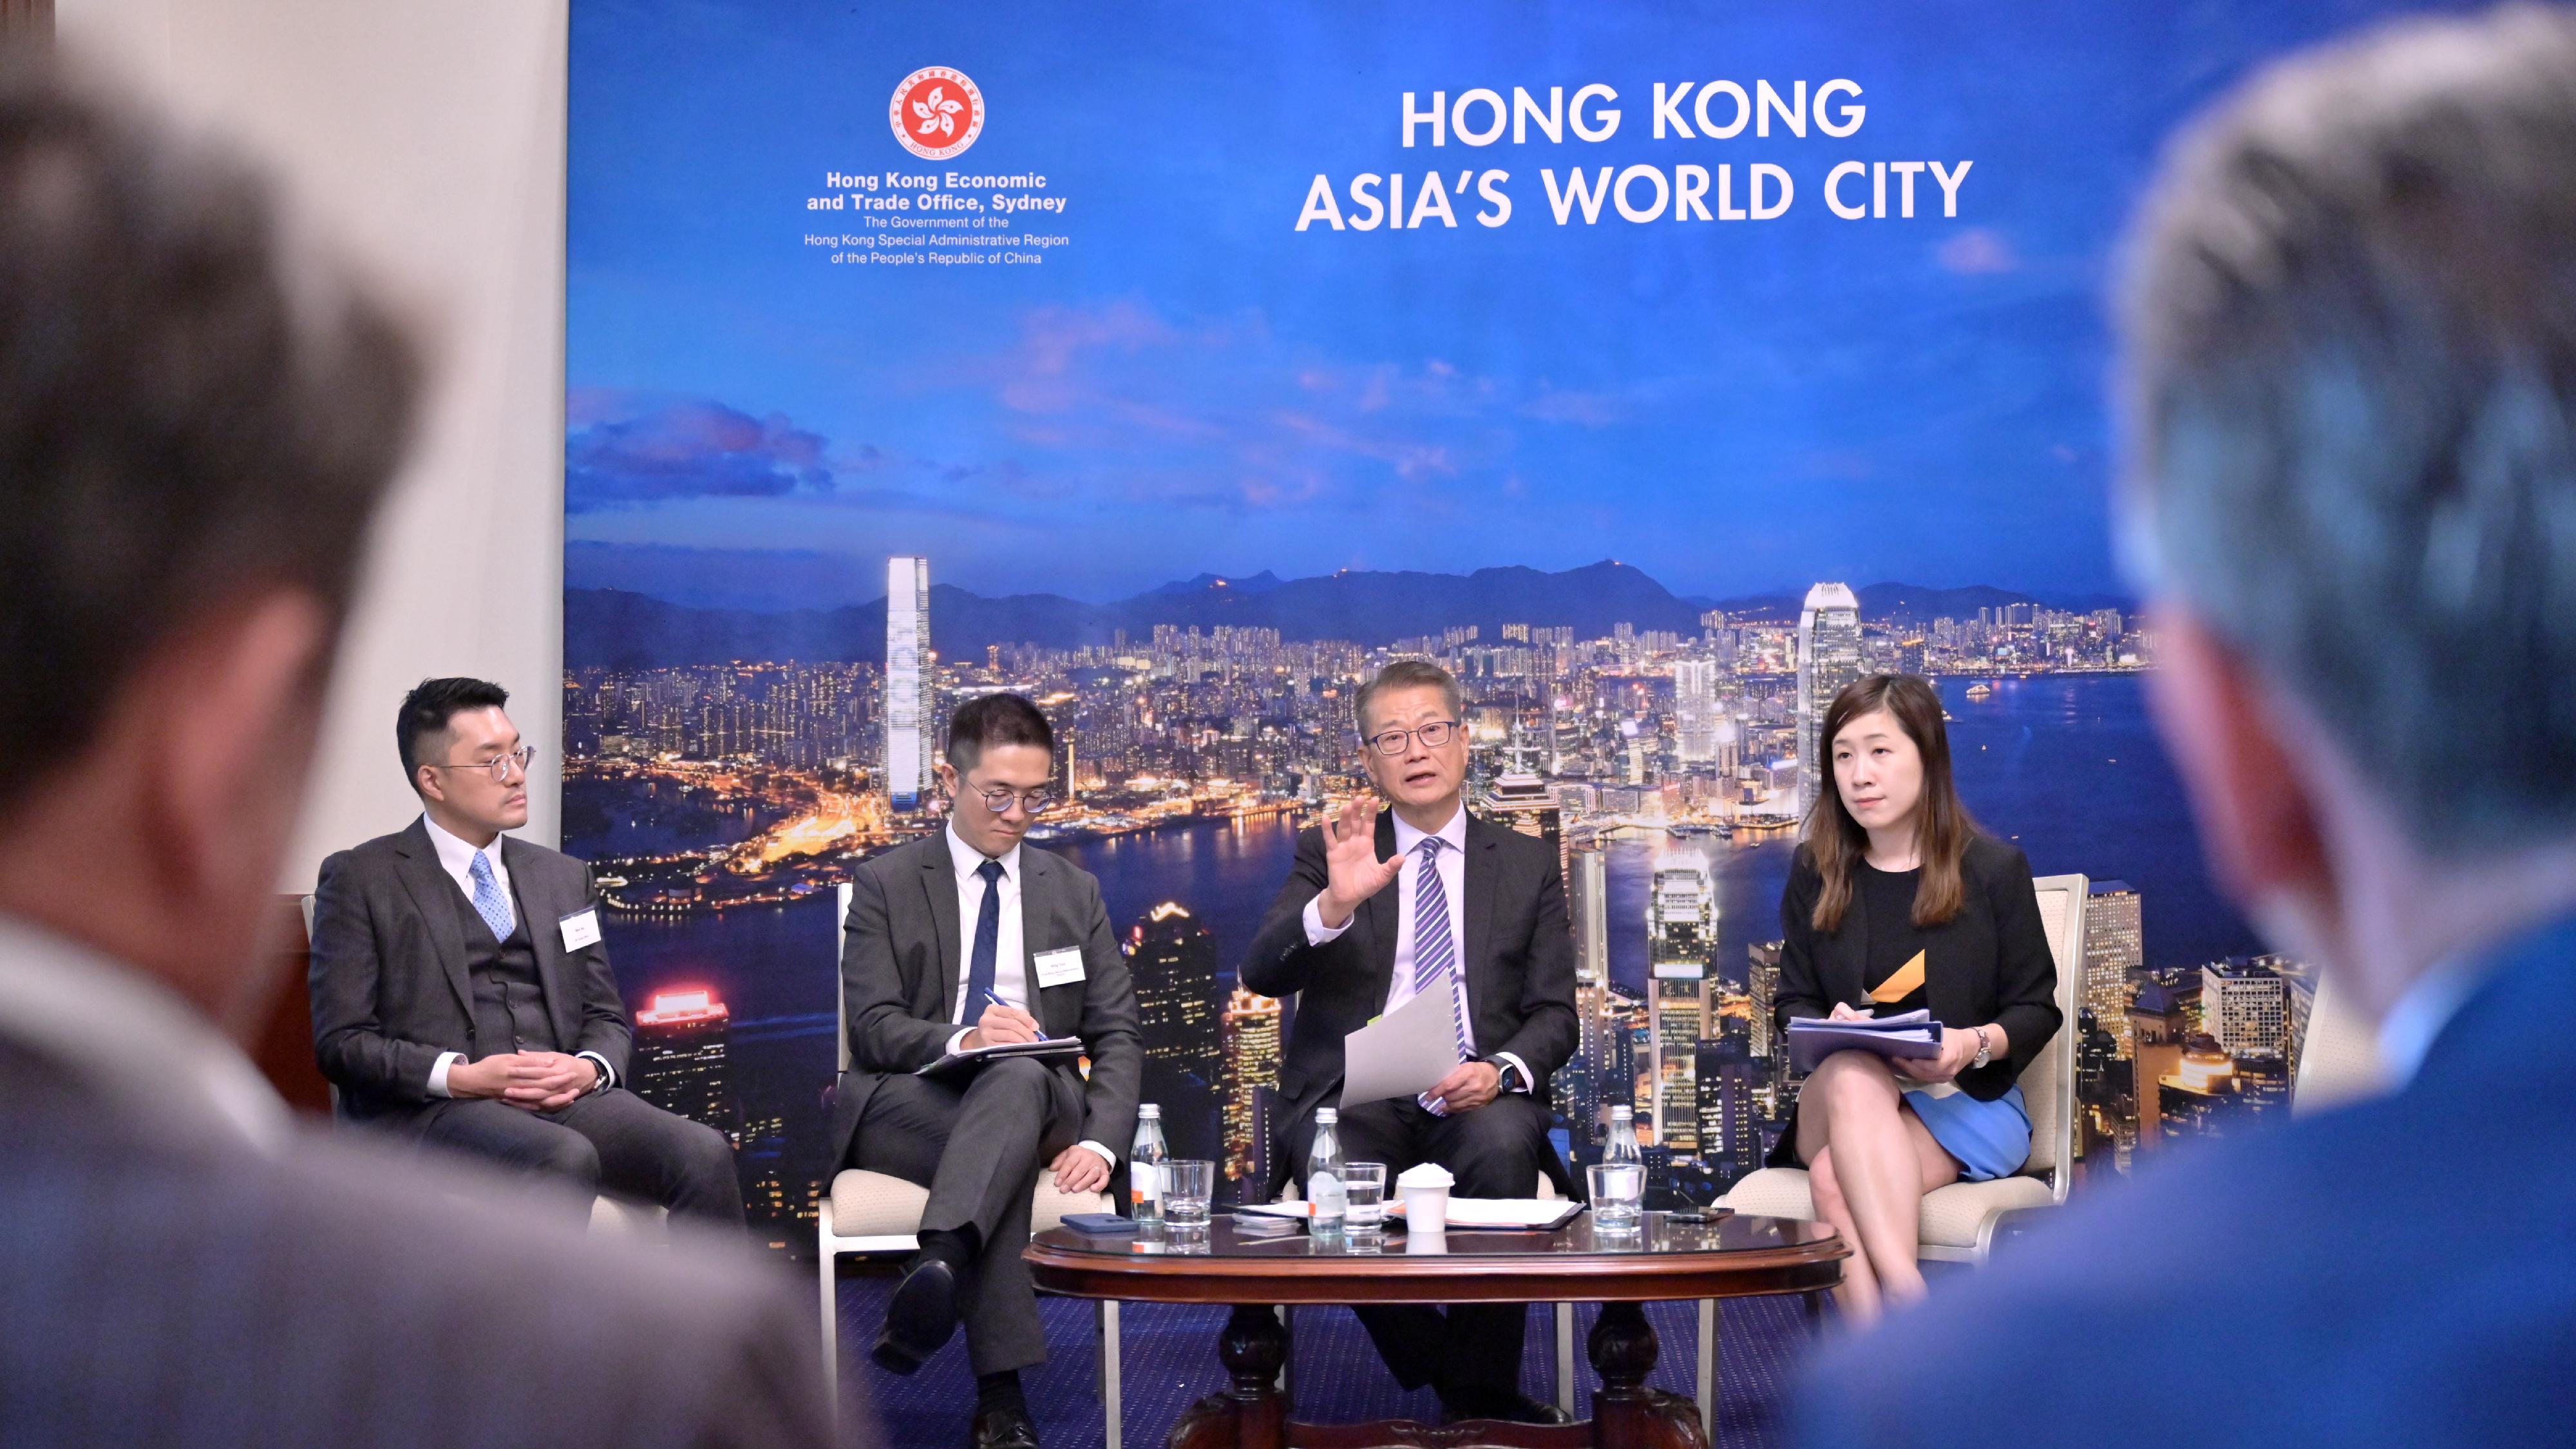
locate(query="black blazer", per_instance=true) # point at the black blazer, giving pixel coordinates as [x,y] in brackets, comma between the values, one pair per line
[389,983]
[900,949]
[1515,945]
[1989,963]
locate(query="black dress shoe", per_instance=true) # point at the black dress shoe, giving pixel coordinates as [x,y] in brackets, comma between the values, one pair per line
[1003,1429]
[920,1317]
[1502,1405]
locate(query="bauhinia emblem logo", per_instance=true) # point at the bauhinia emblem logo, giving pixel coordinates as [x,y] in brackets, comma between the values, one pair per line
[937,112]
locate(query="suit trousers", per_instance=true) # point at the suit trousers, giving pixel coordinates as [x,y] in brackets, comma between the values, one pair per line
[1494,1151]
[613,1140]
[1006,1124]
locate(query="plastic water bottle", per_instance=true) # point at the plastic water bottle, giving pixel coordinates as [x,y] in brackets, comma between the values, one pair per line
[1623,1171]
[1145,1166]
[1621,1148]
[1324,1177]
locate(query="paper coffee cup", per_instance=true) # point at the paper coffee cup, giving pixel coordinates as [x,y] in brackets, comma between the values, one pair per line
[1426,1209]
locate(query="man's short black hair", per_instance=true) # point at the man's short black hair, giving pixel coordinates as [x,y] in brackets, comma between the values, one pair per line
[192,412]
[428,708]
[996,719]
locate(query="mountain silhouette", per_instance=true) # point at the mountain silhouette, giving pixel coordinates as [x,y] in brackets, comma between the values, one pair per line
[618,629]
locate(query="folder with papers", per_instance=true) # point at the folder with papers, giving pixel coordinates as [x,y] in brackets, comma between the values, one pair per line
[1908,1034]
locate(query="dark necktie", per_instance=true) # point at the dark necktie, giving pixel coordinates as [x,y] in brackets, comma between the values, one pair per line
[988,940]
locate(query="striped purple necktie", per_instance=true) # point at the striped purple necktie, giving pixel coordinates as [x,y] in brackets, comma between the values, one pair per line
[1435,952]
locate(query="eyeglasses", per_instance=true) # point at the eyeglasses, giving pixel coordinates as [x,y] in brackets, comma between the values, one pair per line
[998,799]
[498,767]
[1432,735]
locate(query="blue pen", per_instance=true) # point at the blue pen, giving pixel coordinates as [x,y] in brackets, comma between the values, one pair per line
[997,1001]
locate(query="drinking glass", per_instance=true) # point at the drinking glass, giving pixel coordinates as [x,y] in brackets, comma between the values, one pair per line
[1187,1187]
[1365,1213]
[1618,1193]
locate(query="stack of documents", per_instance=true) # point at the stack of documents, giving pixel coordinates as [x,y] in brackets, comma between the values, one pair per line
[1908,1034]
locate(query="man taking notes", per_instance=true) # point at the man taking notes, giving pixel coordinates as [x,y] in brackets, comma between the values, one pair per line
[1380,909]
[461,992]
[966,939]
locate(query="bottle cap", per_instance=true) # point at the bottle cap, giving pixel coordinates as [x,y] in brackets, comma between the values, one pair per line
[1149,1110]
[1618,1112]
[1325,1116]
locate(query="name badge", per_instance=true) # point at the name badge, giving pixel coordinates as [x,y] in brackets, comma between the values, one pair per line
[581,928]
[1058,968]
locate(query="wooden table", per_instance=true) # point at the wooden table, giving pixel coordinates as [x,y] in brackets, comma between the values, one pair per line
[1732,1257]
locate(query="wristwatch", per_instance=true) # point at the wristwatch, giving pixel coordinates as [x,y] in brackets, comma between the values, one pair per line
[1985,1048]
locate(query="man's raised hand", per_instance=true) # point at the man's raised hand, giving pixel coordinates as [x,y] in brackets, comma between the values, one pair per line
[1352,870]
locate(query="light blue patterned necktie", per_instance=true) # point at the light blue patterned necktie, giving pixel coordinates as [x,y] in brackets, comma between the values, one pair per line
[1435,953]
[490,902]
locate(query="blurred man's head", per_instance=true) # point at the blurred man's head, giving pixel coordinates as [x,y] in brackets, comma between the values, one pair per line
[2351,396]
[466,760]
[195,428]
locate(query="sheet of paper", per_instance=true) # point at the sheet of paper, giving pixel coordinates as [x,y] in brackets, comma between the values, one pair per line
[1402,1053]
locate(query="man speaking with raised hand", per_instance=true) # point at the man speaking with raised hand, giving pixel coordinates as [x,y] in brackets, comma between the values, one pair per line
[1379,909]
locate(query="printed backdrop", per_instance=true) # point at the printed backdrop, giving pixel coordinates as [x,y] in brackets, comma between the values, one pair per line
[1655,371]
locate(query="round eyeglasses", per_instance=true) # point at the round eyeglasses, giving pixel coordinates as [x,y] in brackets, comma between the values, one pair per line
[498,767]
[1432,735]
[998,799]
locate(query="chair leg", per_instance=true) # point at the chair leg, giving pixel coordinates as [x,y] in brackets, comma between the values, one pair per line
[831,1322]
[1565,1358]
[1111,1417]
[1708,1326]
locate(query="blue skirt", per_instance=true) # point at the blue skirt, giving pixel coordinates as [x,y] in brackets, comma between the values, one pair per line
[1990,1139]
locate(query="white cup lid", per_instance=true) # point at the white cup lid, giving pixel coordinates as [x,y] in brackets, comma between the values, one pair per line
[1425,1174]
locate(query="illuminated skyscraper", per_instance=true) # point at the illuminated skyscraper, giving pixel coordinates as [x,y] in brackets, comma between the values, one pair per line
[1587,901]
[679,1057]
[1526,804]
[1251,1086]
[2114,946]
[1762,983]
[1695,711]
[1730,1139]
[1681,931]
[1828,659]
[1172,959]
[2247,1008]
[910,712]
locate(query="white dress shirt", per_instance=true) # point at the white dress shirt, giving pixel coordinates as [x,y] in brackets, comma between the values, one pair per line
[457,859]
[134,1040]
[1010,952]
[1452,865]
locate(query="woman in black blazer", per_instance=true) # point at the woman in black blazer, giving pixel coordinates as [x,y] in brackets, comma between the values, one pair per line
[1898,901]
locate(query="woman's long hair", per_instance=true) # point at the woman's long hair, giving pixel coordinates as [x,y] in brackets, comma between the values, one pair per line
[1942,827]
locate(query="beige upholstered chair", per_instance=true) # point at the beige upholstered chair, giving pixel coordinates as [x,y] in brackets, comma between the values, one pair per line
[607,1214]
[1959,1221]
[872,1214]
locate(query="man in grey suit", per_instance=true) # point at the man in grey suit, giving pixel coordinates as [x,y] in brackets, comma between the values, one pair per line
[965,939]
[1378,909]
[197,421]
[461,989]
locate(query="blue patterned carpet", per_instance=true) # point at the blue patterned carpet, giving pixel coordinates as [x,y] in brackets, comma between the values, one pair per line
[1170,1362]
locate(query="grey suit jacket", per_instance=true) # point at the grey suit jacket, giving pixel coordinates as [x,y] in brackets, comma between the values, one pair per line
[1516,947]
[389,983]
[181,1289]
[900,953]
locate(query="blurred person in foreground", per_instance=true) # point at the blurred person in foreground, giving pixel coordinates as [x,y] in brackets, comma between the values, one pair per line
[2351,492]
[197,421]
